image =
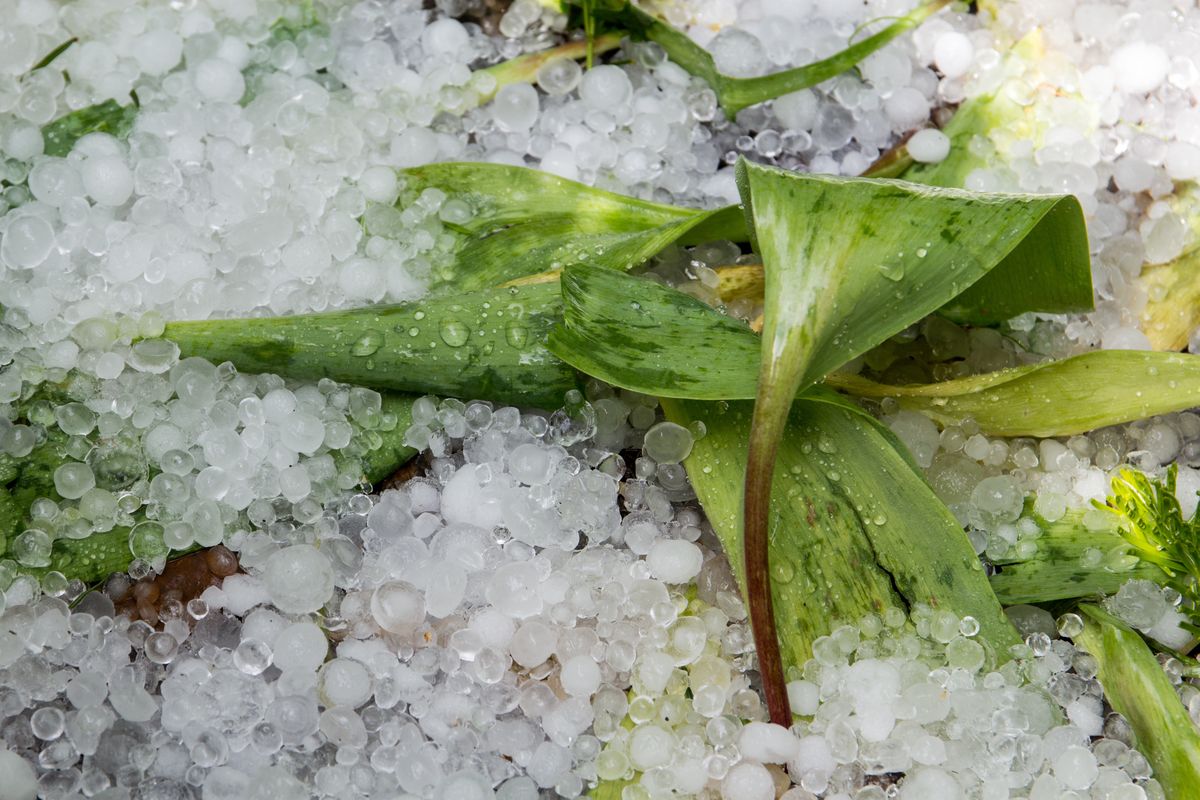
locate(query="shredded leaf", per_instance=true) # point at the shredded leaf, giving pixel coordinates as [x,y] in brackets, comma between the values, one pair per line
[1151,521]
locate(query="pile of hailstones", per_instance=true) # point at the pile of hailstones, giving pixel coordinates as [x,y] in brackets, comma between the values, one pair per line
[495,627]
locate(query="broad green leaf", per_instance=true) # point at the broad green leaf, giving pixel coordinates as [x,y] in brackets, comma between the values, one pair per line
[525,221]
[488,344]
[108,117]
[1057,398]
[1071,561]
[734,94]
[853,530]
[1136,687]
[640,335]
[849,263]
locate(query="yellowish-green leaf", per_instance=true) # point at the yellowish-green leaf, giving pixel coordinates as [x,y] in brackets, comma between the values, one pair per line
[1058,398]
[1136,687]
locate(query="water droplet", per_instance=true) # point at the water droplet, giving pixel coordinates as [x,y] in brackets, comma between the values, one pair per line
[454,333]
[880,519]
[414,331]
[419,315]
[893,272]
[826,445]
[922,252]
[516,334]
[782,571]
[367,344]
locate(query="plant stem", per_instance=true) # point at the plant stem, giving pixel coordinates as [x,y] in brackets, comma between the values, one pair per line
[523,69]
[760,469]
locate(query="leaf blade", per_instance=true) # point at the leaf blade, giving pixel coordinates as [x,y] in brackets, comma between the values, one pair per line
[1059,398]
[1137,687]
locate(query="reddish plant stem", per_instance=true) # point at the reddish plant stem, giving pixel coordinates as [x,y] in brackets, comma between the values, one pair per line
[760,468]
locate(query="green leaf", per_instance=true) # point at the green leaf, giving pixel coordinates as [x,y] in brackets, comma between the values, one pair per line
[1071,561]
[734,94]
[107,117]
[1058,398]
[1136,687]
[866,259]
[525,221]
[486,344]
[650,338]
[852,529]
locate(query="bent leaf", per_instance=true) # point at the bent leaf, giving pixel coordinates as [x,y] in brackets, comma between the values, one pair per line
[1059,398]
[525,221]
[1136,687]
[650,338]
[849,263]
[487,344]
[852,529]
[734,94]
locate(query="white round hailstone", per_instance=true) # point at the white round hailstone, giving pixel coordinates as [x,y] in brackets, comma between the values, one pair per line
[361,279]
[580,676]
[516,107]
[533,643]
[158,51]
[1139,67]
[804,697]
[26,243]
[299,579]
[17,777]
[445,587]
[906,108]
[1183,161]
[378,184]
[674,560]
[559,76]
[651,746]
[798,110]
[464,785]
[952,54]
[344,682]
[108,180]
[398,607]
[514,590]
[738,53]
[768,743]
[925,783]
[1076,767]
[413,147]
[748,781]
[448,38]
[220,81]
[1124,338]
[605,87]
[813,756]
[561,161]
[465,499]
[928,146]
[494,629]
[24,141]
